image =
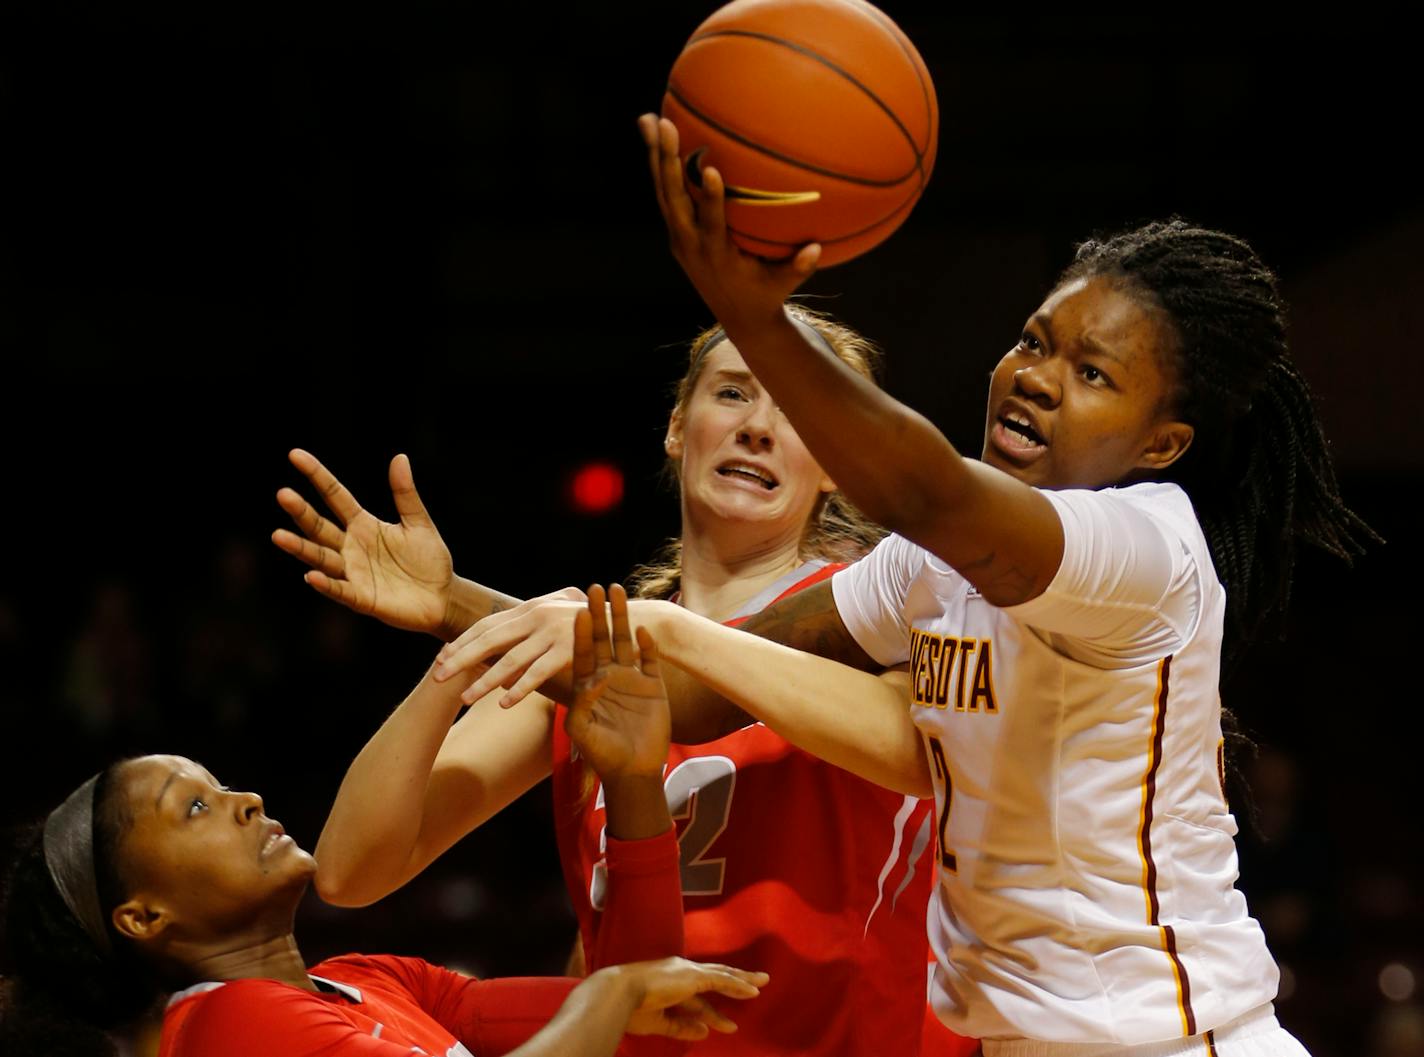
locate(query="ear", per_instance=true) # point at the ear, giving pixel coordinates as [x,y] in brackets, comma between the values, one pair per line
[140,920]
[1170,442]
[827,485]
[672,443]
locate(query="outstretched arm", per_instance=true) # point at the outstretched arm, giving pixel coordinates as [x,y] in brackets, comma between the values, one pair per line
[728,678]
[850,718]
[998,532]
[644,998]
[532,646]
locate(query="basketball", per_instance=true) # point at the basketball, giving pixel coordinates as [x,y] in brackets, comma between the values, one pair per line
[819,114]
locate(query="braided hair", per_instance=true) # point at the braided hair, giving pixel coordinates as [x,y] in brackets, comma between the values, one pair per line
[61,994]
[1258,470]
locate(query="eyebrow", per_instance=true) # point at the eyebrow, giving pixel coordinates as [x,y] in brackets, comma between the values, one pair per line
[736,376]
[164,788]
[175,773]
[1094,345]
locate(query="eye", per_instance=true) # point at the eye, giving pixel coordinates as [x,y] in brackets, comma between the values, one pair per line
[1093,376]
[197,805]
[730,392]
[1029,343]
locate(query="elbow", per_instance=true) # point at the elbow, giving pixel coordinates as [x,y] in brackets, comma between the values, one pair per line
[337,882]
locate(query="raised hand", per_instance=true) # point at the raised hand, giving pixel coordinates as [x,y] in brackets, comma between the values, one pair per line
[739,288]
[672,988]
[619,717]
[398,573]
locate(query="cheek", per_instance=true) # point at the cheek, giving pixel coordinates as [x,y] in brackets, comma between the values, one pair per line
[1001,379]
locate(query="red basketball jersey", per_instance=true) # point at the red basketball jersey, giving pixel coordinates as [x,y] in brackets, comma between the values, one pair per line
[789,865]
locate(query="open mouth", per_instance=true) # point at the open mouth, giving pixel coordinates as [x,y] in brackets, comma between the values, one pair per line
[273,839]
[748,473]
[1020,432]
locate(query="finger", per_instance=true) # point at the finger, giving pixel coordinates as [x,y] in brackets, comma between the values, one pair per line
[729,982]
[539,673]
[337,497]
[648,654]
[623,650]
[598,613]
[408,505]
[648,128]
[712,208]
[583,649]
[686,1024]
[704,1012]
[506,670]
[313,525]
[463,661]
[806,259]
[322,558]
[336,590]
[494,634]
[753,979]
[680,213]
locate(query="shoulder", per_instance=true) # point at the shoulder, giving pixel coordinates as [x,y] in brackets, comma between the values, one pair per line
[1161,505]
[233,1017]
[379,971]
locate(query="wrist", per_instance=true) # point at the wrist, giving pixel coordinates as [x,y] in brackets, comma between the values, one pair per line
[636,806]
[459,610]
[660,617]
[618,985]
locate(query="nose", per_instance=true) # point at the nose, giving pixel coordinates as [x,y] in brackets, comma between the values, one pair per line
[757,429]
[1039,382]
[246,806]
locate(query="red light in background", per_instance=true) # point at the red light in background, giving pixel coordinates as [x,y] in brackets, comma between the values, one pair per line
[597,488]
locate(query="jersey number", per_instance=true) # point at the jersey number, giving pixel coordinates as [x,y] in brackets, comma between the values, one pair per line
[699,790]
[941,766]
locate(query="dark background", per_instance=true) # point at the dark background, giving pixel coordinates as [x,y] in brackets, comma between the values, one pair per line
[429,231]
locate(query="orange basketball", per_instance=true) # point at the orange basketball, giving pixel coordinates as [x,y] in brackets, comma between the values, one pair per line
[820,116]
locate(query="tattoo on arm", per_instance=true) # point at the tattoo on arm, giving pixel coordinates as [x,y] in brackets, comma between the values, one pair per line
[809,621]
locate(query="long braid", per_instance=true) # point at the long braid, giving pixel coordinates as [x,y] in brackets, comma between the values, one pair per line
[1259,471]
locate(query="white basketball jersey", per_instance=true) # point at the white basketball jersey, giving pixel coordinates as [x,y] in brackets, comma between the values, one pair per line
[1087,863]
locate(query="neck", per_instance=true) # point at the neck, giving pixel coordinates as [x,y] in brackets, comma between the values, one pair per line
[273,959]
[721,570]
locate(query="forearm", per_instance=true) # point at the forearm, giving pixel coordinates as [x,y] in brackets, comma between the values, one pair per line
[849,718]
[807,620]
[888,459]
[642,916]
[591,1021]
[375,823]
[636,806]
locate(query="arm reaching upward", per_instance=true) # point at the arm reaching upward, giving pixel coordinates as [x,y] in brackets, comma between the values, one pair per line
[997,531]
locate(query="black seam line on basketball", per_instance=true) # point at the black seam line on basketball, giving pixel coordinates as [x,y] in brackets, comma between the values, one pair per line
[803,50]
[786,159]
[906,204]
[912,55]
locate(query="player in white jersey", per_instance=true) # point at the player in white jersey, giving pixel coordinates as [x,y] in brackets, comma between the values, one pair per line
[1060,604]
